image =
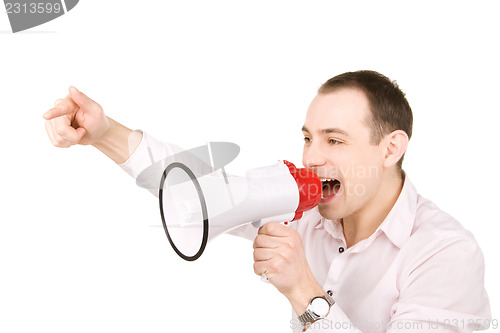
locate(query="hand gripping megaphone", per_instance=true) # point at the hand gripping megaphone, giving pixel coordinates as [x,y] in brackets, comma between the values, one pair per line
[198,202]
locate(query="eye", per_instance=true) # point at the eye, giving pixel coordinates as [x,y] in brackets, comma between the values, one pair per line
[307,140]
[334,142]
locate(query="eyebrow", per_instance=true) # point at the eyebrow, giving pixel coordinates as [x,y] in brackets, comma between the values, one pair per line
[328,131]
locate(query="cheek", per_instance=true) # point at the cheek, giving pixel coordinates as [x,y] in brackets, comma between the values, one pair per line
[363,165]
[362,174]
[369,161]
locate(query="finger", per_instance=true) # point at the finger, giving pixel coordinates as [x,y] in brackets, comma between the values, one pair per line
[80,131]
[275,229]
[266,241]
[263,254]
[260,267]
[81,99]
[64,134]
[57,140]
[62,107]
[59,100]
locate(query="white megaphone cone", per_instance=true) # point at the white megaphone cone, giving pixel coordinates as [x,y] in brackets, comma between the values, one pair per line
[195,210]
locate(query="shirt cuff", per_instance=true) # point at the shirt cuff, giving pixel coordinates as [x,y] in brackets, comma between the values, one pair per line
[336,321]
[147,152]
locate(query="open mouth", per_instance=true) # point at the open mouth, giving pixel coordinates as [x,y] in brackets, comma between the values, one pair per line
[330,188]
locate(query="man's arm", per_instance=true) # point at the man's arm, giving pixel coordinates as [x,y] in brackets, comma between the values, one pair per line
[442,289]
[119,142]
[77,119]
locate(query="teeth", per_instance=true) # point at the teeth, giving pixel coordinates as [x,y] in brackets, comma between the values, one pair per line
[325,180]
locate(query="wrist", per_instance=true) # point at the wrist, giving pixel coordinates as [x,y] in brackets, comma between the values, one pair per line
[105,132]
[318,309]
[114,142]
[300,298]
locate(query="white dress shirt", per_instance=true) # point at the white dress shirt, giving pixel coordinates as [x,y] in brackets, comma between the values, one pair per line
[420,271]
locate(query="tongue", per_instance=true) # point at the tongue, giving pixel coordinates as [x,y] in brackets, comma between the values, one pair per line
[331,188]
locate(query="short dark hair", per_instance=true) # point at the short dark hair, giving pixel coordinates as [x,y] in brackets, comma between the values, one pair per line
[389,108]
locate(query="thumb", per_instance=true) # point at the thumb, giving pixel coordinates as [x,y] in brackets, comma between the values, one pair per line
[80,131]
[81,99]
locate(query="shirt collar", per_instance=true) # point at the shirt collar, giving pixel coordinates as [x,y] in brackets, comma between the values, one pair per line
[398,224]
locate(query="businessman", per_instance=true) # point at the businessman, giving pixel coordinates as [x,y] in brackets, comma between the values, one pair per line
[374,255]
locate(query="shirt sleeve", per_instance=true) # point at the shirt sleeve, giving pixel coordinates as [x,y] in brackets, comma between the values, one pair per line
[442,292]
[148,152]
[151,150]
[446,286]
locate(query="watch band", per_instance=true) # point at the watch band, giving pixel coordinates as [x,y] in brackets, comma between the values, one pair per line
[309,317]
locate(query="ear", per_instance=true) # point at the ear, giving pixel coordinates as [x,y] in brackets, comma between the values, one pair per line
[395,146]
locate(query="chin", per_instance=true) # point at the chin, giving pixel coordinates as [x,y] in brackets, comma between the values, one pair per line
[330,213]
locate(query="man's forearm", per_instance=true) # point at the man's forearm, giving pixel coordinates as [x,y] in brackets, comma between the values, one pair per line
[119,142]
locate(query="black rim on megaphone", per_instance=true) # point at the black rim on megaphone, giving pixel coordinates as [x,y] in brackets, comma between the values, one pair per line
[203,204]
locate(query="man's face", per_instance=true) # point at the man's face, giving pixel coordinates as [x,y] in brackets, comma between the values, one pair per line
[337,147]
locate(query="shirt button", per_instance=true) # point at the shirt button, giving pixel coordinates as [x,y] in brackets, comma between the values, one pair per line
[341,249]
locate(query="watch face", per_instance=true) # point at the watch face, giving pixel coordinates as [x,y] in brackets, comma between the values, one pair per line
[320,307]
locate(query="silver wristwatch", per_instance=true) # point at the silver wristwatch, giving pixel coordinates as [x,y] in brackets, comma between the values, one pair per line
[318,308]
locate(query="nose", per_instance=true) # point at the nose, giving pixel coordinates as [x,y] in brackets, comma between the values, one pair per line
[312,157]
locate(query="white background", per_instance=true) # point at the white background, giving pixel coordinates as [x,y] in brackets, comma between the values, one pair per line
[81,248]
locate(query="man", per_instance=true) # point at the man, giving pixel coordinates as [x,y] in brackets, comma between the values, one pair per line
[373,256]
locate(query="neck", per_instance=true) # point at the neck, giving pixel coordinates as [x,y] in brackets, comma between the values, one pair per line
[363,223]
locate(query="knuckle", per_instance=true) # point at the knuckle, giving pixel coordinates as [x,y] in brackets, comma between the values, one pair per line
[292,233]
[287,250]
[256,268]
[290,244]
[61,105]
[60,131]
[260,241]
[287,257]
[275,265]
[57,141]
[60,142]
[271,228]
[256,241]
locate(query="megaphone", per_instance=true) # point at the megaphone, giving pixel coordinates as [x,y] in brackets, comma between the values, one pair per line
[198,203]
